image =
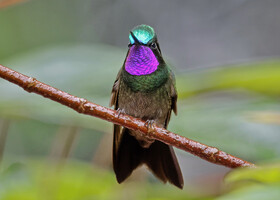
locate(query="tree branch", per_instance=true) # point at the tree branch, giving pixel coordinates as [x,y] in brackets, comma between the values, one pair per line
[81,105]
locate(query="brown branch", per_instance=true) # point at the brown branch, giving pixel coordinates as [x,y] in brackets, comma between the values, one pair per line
[81,105]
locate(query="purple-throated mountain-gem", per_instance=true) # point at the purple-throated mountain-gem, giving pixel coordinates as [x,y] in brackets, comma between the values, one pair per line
[144,88]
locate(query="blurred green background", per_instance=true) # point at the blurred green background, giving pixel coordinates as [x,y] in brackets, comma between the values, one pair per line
[225,55]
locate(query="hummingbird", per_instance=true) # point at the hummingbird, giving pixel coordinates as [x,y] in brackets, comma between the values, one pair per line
[145,89]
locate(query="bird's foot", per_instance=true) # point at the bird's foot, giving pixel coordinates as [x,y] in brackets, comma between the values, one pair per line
[120,111]
[149,124]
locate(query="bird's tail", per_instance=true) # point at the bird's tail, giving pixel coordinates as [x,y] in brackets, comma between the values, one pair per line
[159,157]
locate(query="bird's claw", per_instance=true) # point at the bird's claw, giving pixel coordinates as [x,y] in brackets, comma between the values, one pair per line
[149,124]
[120,111]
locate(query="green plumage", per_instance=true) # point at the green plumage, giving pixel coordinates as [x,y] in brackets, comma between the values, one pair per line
[147,83]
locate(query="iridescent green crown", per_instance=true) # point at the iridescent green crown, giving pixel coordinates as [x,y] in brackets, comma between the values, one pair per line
[143,33]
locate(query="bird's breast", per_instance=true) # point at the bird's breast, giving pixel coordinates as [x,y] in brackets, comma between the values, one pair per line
[153,106]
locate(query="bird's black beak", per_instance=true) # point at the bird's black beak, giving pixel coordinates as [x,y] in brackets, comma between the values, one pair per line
[134,38]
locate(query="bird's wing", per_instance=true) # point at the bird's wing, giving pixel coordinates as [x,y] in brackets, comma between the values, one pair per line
[117,129]
[115,92]
[172,93]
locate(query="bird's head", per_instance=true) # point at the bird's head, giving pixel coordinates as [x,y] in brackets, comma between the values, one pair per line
[144,35]
[144,54]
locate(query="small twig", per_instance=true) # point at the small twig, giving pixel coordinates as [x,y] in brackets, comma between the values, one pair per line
[81,105]
[63,143]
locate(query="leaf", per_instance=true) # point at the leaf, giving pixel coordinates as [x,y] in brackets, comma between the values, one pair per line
[262,174]
[262,77]
[254,183]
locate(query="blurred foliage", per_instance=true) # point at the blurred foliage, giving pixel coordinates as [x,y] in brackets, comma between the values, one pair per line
[75,181]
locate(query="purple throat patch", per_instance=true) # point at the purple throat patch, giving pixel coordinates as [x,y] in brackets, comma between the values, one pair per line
[141,61]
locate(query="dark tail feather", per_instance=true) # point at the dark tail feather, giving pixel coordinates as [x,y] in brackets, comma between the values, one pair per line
[159,157]
[127,156]
[162,160]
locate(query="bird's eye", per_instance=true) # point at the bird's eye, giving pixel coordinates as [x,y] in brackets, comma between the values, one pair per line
[153,45]
[129,45]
